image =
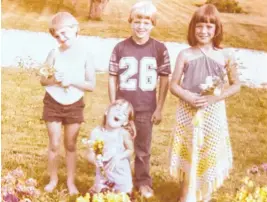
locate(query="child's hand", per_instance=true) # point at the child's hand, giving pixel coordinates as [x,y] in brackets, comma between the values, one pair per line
[211,99]
[196,100]
[65,83]
[156,117]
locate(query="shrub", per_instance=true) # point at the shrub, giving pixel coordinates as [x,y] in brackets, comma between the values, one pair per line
[226,6]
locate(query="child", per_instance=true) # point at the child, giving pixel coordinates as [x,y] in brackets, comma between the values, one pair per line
[134,68]
[118,148]
[63,101]
[201,167]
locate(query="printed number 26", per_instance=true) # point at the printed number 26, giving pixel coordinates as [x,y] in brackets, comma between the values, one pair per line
[147,74]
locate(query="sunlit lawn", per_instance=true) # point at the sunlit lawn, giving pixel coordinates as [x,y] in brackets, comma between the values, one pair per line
[24,136]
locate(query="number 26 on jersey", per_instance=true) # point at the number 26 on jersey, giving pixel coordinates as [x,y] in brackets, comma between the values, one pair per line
[147,77]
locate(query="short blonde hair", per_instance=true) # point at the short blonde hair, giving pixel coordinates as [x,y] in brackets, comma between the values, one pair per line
[207,13]
[62,19]
[143,9]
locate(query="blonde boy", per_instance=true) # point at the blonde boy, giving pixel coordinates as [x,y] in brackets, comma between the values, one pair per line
[134,68]
[63,101]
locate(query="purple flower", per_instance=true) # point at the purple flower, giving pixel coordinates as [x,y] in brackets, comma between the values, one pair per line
[264,167]
[31,182]
[10,198]
[17,173]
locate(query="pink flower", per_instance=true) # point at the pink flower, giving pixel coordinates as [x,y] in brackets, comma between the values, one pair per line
[30,190]
[9,179]
[20,188]
[31,182]
[6,189]
[17,173]
[254,170]
[264,167]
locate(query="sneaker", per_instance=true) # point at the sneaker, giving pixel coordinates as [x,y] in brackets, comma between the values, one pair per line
[146,191]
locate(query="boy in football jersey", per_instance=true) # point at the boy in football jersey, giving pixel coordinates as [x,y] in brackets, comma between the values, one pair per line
[135,65]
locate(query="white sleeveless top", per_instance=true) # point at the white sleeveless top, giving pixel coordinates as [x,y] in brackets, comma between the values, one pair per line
[73,62]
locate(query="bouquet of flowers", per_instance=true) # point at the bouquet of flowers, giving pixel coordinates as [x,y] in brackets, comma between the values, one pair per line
[42,69]
[46,71]
[97,146]
[212,86]
[16,188]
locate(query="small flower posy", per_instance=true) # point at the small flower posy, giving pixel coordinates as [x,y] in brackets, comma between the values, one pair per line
[98,147]
[47,71]
[212,86]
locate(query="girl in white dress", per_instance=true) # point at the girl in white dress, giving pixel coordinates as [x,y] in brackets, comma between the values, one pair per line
[118,148]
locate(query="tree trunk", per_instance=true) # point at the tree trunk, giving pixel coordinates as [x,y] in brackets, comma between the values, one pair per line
[96,8]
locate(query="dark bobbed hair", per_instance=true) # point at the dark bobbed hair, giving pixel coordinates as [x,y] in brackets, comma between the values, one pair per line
[207,13]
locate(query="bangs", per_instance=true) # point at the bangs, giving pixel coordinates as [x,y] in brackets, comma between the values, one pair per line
[206,18]
[207,14]
[142,16]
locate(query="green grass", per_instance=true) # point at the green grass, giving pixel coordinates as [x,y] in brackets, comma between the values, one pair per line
[241,30]
[25,140]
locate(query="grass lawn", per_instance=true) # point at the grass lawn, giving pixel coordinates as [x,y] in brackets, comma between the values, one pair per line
[24,137]
[247,30]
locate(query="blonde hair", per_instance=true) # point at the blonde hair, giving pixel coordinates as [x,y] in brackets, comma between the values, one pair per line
[143,9]
[130,127]
[62,19]
[207,13]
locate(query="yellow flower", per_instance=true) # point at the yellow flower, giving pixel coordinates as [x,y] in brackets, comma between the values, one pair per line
[245,180]
[250,184]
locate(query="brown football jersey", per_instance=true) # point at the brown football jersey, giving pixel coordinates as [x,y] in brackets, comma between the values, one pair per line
[138,67]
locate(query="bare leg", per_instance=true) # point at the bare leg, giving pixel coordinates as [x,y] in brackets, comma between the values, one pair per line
[71,133]
[54,133]
[183,191]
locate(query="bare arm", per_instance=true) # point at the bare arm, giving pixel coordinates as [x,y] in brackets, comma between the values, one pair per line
[128,144]
[112,87]
[89,83]
[233,78]
[175,87]
[163,90]
[91,156]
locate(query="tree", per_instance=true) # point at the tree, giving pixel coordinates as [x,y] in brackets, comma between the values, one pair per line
[96,8]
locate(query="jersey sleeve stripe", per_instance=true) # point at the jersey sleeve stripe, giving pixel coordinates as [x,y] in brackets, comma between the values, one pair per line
[113,73]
